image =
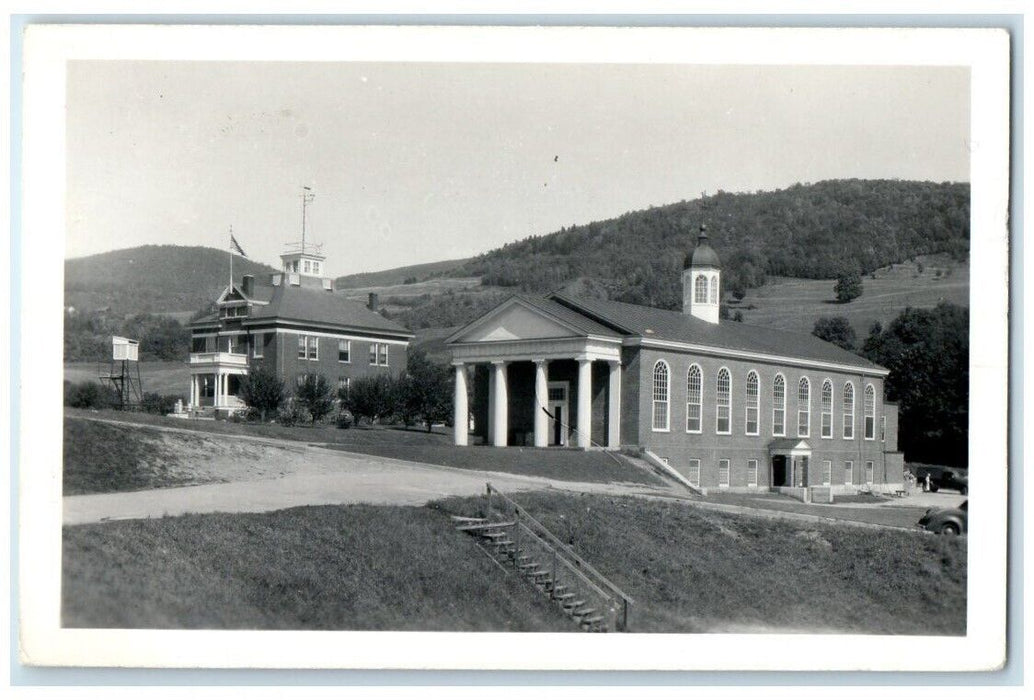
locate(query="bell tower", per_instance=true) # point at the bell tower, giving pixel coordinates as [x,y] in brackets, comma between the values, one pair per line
[701,281]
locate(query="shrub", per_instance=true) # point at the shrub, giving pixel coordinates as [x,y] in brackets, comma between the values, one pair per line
[262,391]
[344,420]
[836,330]
[316,395]
[157,403]
[89,395]
[293,413]
[369,397]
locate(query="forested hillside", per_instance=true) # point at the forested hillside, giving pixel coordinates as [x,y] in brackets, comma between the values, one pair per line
[810,231]
[152,279]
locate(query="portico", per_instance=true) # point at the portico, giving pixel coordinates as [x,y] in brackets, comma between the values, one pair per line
[214,378]
[525,344]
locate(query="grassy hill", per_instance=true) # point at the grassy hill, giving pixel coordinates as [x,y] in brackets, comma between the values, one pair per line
[152,279]
[399,275]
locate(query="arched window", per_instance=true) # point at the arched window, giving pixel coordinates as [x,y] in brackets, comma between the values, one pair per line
[849,411]
[753,402]
[660,395]
[714,289]
[723,403]
[694,390]
[803,408]
[779,405]
[870,412]
[827,409]
[700,290]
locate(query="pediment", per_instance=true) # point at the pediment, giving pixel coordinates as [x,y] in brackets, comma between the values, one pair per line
[516,321]
[231,293]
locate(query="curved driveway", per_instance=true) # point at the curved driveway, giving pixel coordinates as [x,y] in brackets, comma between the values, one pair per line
[333,477]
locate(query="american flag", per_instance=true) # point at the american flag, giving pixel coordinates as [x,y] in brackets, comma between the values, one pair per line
[235,247]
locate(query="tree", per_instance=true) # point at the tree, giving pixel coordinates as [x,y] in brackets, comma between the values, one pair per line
[262,390]
[369,397]
[316,395]
[836,330]
[848,287]
[927,353]
[425,391]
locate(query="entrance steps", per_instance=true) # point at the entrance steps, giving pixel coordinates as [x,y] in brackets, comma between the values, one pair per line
[520,544]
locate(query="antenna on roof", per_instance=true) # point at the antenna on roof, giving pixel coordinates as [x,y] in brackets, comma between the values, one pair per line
[307,197]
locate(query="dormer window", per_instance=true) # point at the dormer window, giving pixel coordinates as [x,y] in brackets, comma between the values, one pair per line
[231,312]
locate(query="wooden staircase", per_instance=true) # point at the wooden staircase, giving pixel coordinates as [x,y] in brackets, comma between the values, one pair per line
[520,544]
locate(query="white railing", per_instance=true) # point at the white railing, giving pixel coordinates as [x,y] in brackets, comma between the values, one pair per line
[230,359]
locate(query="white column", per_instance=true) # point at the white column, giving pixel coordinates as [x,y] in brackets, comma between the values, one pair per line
[541,404]
[459,402]
[584,402]
[219,389]
[490,428]
[614,405]
[499,405]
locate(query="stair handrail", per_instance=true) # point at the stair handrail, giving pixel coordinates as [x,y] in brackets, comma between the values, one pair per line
[625,598]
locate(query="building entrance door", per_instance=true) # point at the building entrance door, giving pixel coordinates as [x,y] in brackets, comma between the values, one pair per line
[779,470]
[557,406]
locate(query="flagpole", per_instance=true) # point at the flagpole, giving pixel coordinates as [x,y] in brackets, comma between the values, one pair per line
[231,257]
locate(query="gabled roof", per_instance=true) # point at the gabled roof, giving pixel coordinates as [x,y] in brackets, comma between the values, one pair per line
[675,326]
[310,306]
[572,322]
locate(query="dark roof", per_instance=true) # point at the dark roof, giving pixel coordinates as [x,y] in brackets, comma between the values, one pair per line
[319,307]
[704,255]
[661,324]
[579,321]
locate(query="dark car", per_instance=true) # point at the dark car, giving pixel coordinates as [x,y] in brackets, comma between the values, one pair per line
[951,478]
[946,521]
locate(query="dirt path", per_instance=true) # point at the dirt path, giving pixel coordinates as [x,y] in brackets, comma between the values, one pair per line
[318,476]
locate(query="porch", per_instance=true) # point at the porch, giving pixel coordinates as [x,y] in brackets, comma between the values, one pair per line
[215,379]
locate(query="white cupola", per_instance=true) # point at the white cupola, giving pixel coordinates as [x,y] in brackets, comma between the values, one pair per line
[701,281]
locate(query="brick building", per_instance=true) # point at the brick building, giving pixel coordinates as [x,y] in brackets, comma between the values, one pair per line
[294,324]
[726,405]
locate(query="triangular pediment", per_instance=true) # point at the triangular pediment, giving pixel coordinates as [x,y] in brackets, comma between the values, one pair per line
[231,293]
[516,321]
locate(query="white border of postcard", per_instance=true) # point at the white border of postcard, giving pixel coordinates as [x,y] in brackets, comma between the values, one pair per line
[48,48]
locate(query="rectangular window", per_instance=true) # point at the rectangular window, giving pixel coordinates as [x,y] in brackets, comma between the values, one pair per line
[314,348]
[868,472]
[300,379]
[302,345]
[778,422]
[827,472]
[752,420]
[258,345]
[198,345]
[344,350]
[305,266]
[382,355]
[752,472]
[848,473]
[343,384]
[694,472]
[827,424]
[723,473]
[373,353]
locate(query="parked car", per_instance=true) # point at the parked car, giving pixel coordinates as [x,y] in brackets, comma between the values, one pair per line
[942,478]
[946,521]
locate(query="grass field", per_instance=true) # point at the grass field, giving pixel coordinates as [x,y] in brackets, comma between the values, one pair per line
[101,458]
[795,304]
[692,570]
[157,376]
[328,568]
[365,567]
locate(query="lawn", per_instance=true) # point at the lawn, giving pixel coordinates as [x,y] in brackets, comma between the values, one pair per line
[367,567]
[693,570]
[415,445]
[316,568]
[100,458]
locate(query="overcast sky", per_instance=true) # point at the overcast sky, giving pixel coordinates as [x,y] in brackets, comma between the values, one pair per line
[414,163]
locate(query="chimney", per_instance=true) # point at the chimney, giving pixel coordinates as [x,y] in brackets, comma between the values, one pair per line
[372,304]
[248,285]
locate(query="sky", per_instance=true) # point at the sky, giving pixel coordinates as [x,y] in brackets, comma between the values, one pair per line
[420,162]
